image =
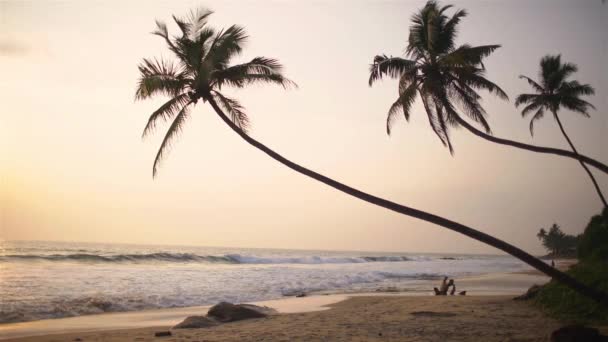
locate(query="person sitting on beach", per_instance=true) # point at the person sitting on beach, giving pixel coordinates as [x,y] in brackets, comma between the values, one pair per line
[453,287]
[445,286]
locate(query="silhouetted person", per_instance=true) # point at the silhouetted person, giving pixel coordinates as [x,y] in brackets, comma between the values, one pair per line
[453,287]
[445,286]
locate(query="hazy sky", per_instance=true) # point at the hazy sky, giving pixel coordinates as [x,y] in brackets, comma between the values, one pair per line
[74,167]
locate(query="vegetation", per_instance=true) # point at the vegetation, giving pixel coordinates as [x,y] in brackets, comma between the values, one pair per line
[446,77]
[592,269]
[553,92]
[438,71]
[558,243]
[203,68]
[593,243]
[563,302]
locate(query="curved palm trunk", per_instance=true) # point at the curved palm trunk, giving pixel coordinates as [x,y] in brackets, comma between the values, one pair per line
[428,217]
[533,148]
[597,187]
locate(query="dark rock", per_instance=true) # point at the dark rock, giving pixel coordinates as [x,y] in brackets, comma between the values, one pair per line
[301,294]
[462,293]
[577,333]
[228,312]
[77,339]
[195,322]
[531,293]
[162,333]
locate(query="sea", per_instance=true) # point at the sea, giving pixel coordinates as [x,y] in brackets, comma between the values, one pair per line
[41,280]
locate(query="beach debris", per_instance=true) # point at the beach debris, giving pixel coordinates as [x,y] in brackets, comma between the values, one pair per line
[228,312]
[432,314]
[575,333]
[162,333]
[531,293]
[196,322]
[77,339]
[301,294]
[462,293]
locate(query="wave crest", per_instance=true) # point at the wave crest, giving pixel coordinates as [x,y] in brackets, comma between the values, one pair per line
[190,258]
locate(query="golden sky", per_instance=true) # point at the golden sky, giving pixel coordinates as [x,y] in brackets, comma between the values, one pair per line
[73,165]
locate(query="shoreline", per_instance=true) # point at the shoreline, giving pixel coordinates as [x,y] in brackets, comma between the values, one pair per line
[363,318]
[505,285]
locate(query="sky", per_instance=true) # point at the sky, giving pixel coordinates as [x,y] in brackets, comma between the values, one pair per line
[74,166]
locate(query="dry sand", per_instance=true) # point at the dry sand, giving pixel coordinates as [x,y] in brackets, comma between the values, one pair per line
[375,318]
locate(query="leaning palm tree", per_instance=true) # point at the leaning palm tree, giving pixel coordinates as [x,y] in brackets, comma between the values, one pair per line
[447,78]
[203,68]
[553,93]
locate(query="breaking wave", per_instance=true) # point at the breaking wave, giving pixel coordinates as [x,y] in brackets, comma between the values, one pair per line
[194,258]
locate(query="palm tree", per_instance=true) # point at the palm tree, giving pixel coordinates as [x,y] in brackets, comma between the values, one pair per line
[541,233]
[554,92]
[203,67]
[446,76]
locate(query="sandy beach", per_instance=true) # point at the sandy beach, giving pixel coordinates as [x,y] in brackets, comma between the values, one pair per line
[366,318]
[489,314]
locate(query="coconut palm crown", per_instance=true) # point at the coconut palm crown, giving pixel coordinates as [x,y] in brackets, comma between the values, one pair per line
[442,74]
[203,67]
[554,91]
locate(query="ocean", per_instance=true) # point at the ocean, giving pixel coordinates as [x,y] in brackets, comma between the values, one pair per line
[40,280]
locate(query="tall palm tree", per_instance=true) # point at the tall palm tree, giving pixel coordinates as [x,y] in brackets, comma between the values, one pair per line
[203,67]
[447,77]
[553,93]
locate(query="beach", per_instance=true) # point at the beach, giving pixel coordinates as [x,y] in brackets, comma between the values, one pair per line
[80,292]
[488,312]
[365,318]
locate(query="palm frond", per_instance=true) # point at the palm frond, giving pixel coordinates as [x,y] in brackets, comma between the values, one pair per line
[468,55]
[227,44]
[159,77]
[435,116]
[473,78]
[403,104]
[469,103]
[172,133]
[392,67]
[537,116]
[533,83]
[577,105]
[258,70]
[234,109]
[526,98]
[198,18]
[166,112]
[575,89]
[532,106]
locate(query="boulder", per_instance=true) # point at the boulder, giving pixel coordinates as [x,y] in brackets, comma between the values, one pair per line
[228,312]
[577,333]
[195,322]
[531,293]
